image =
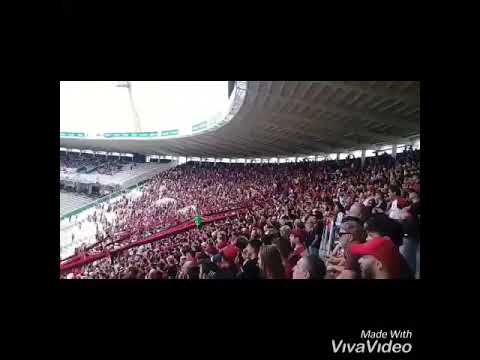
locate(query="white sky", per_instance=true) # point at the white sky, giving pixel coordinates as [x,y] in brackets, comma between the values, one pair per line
[99,106]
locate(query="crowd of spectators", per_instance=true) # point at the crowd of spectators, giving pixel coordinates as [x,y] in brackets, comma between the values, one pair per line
[102,165]
[372,210]
[111,167]
[77,161]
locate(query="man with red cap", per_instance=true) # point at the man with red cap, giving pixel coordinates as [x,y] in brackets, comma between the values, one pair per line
[227,257]
[230,252]
[379,258]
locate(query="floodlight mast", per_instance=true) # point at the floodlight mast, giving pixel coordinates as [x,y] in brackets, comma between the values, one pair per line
[136,118]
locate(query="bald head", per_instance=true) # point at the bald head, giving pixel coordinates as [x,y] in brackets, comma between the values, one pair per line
[309,267]
[358,210]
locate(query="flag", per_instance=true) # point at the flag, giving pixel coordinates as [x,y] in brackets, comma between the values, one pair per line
[198,221]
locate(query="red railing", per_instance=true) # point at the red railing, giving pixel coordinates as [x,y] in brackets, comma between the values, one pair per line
[81,261]
[75,257]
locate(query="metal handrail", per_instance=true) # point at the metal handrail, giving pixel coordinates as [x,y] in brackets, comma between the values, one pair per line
[91,246]
[155,237]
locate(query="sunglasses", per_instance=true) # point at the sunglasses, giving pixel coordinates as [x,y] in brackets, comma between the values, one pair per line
[343,233]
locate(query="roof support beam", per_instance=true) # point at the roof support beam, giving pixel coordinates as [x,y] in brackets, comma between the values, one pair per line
[310,120]
[409,98]
[366,115]
[240,144]
[300,138]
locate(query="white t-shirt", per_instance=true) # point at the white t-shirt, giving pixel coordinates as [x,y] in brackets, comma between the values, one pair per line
[338,222]
[395,213]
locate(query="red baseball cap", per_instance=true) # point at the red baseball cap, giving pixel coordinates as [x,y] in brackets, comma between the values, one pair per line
[384,250]
[230,252]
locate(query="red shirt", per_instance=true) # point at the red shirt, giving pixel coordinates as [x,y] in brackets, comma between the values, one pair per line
[231,251]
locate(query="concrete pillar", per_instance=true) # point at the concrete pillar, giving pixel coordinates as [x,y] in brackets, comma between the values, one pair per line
[338,156]
[394,151]
[364,152]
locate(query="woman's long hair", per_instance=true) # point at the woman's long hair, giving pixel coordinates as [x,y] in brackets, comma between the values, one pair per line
[271,262]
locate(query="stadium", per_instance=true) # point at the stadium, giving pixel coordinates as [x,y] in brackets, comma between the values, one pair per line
[240,180]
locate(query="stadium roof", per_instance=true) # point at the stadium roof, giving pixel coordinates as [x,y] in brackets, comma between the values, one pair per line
[278,118]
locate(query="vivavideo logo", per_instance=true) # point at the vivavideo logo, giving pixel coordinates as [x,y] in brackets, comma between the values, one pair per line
[375,343]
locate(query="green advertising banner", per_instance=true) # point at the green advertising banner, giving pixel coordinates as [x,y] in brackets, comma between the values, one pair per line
[212,122]
[132,135]
[199,126]
[170,132]
[72,134]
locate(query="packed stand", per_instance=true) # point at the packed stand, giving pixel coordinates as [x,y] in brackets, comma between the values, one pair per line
[77,161]
[102,165]
[373,213]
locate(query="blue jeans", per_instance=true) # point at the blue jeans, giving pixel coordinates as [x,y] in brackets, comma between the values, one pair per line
[409,252]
